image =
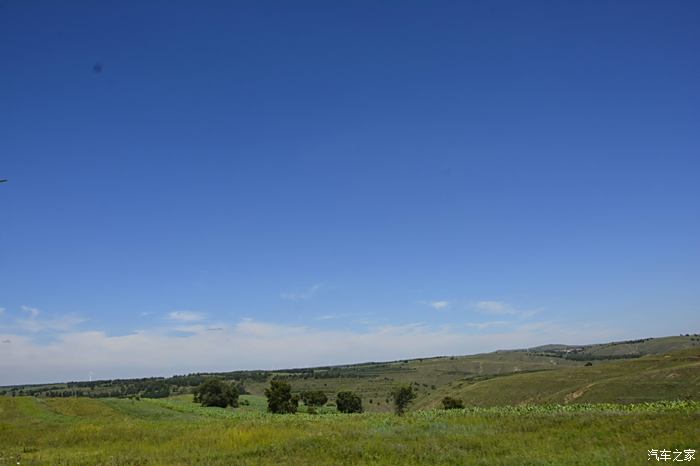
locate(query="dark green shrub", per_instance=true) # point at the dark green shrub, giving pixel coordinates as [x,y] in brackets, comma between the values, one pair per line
[452,403]
[280,399]
[402,395]
[348,402]
[314,398]
[216,392]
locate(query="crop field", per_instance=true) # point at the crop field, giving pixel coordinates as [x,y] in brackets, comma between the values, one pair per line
[175,431]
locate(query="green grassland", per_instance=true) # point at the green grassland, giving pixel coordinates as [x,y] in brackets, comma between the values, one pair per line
[175,431]
[621,349]
[470,377]
[525,376]
[524,407]
[373,382]
[651,378]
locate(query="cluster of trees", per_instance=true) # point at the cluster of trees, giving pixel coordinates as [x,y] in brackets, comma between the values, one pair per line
[151,387]
[216,392]
[281,400]
[314,399]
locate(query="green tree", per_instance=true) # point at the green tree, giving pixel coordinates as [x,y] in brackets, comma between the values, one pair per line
[452,403]
[280,399]
[402,395]
[348,402]
[314,398]
[156,389]
[216,392]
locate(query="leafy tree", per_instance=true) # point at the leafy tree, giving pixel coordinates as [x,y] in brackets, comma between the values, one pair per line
[157,389]
[216,392]
[280,399]
[452,403]
[314,398]
[402,395]
[348,402]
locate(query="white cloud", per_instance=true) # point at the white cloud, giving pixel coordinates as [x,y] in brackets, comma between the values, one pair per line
[64,323]
[438,305]
[494,307]
[302,295]
[502,308]
[328,317]
[35,324]
[2,310]
[251,344]
[186,316]
[489,324]
[32,311]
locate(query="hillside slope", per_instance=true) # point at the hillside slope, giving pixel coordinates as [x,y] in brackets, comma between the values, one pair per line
[620,349]
[650,378]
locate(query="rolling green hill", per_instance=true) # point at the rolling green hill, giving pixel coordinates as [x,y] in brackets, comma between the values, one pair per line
[560,366]
[659,377]
[620,349]
[374,382]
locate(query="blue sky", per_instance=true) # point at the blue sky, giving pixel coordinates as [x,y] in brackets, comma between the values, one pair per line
[274,184]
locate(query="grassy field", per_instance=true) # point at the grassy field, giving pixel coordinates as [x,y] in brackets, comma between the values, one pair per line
[175,431]
[374,382]
[651,378]
[432,377]
[524,408]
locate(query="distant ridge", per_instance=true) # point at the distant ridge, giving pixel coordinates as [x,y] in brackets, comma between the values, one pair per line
[623,371]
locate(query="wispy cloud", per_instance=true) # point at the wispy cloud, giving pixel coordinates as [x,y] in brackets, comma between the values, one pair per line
[301,295]
[329,317]
[186,316]
[32,311]
[438,305]
[490,324]
[251,344]
[502,308]
[34,323]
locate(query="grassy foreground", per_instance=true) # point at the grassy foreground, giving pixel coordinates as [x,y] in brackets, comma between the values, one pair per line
[178,432]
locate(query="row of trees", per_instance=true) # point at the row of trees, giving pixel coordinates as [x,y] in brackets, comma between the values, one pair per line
[280,400]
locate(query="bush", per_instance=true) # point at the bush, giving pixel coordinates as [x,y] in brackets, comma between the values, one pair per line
[216,392]
[452,403]
[280,399]
[348,402]
[314,398]
[402,395]
[157,389]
